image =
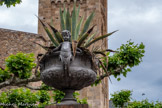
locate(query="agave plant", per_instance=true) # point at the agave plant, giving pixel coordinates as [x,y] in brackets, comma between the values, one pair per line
[82,35]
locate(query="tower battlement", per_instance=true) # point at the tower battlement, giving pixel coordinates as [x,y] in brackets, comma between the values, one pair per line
[67,1]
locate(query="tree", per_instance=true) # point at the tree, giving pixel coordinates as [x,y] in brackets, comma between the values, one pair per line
[144,104]
[119,98]
[9,3]
[121,62]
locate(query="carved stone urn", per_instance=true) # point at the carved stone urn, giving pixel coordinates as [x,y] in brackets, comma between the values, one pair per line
[80,74]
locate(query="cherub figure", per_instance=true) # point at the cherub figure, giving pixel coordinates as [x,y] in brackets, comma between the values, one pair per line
[65,51]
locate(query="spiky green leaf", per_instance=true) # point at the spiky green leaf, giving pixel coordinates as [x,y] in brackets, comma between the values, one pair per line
[55,43]
[62,22]
[99,52]
[68,21]
[87,23]
[78,27]
[99,38]
[57,34]
[44,47]
[73,23]
[64,15]
[51,37]
[52,23]
[85,36]
[90,38]
[77,13]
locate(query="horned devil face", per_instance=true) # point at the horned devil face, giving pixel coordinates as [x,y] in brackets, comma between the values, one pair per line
[66,35]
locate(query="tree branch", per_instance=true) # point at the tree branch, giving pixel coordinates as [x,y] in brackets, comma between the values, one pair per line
[18,82]
[38,88]
[109,73]
[1,68]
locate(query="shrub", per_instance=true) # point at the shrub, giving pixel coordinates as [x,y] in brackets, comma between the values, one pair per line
[4,75]
[58,95]
[127,56]
[145,104]
[121,97]
[20,65]
[44,96]
[23,98]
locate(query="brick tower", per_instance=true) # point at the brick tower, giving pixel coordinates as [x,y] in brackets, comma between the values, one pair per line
[49,9]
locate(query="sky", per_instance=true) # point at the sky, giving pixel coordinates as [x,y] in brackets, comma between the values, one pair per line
[138,20]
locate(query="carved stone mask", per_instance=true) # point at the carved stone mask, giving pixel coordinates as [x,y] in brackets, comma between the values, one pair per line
[66,35]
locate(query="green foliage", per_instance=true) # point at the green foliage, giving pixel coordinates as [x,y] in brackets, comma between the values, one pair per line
[44,96]
[81,101]
[73,23]
[24,98]
[127,56]
[3,98]
[121,97]
[158,104]
[98,38]
[20,65]
[124,96]
[4,75]
[58,95]
[96,82]
[45,87]
[145,104]
[9,3]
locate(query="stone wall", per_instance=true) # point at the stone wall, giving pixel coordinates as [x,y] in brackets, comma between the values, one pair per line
[12,42]
[49,9]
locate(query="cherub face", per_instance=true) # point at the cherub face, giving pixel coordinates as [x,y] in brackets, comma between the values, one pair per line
[66,35]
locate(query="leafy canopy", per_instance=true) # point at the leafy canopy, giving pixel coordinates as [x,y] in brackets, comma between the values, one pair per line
[126,57]
[20,65]
[24,98]
[145,104]
[9,3]
[119,98]
[4,75]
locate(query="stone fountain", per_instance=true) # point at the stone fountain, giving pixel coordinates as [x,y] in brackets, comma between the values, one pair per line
[61,70]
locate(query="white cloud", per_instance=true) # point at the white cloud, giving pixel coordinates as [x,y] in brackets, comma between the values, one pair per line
[140,21]
[22,17]
[126,17]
